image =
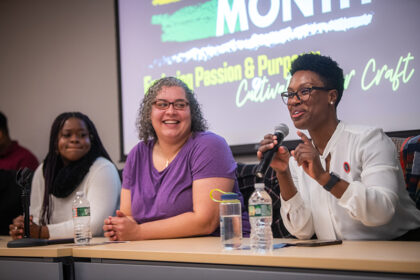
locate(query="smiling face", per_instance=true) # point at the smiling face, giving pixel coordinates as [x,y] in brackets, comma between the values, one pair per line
[171,125]
[317,110]
[73,140]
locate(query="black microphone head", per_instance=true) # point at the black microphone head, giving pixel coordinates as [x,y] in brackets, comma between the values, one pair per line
[283,129]
[24,177]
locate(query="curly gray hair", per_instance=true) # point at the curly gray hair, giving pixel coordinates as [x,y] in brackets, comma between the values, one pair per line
[144,122]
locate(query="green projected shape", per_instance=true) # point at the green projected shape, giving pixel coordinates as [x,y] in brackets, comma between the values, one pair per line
[190,23]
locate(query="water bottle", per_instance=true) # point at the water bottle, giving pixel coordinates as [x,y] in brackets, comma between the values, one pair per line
[230,221]
[260,217]
[81,219]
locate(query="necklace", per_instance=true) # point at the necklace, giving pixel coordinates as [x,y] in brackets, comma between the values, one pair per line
[168,160]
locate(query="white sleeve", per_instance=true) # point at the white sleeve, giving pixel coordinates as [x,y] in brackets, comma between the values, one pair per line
[374,199]
[103,194]
[102,189]
[297,218]
[37,194]
[61,230]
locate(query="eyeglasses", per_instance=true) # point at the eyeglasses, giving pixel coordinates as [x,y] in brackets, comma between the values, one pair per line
[164,104]
[302,94]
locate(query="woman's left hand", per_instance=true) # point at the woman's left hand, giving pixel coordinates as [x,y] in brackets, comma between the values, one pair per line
[308,157]
[123,227]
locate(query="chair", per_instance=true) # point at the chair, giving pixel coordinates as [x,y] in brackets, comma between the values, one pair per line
[410,163]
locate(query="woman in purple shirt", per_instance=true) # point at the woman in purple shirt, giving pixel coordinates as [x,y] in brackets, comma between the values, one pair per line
[168,176]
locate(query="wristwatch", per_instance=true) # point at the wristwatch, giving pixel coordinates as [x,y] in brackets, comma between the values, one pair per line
[332,182]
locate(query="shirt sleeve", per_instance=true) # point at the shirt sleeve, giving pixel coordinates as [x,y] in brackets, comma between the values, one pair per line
[102,191]
[297,217]
[37,194]
[212,157]
[129,172]
[103,194]
[373,199]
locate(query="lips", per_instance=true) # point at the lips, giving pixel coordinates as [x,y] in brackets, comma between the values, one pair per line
[74,148]
[297,113]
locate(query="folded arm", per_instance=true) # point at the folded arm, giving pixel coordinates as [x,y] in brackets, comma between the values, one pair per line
[203,220]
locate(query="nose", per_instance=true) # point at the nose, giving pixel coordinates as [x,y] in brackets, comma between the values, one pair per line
[294,100]
[74,139]
[171,108]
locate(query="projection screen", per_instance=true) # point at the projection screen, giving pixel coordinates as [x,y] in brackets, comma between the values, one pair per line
[236,55]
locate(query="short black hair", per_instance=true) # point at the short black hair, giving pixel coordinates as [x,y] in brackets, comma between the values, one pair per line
[3,123]
[328,69]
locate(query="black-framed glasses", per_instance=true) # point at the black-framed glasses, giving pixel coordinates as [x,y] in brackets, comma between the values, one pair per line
[302,94]
[163,104]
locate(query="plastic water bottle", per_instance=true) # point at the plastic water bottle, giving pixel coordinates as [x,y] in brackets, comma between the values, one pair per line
[260,217]
[81,219]
[230,221]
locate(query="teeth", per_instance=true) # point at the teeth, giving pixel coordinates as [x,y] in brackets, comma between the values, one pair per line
[170,122]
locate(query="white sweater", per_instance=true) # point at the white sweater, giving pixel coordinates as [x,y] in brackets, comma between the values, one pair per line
[376,204]
[101,186]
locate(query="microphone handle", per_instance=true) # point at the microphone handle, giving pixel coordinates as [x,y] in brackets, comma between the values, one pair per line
[25,200]
[268,157]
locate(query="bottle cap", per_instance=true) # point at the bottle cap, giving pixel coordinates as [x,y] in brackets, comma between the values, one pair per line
[229,196]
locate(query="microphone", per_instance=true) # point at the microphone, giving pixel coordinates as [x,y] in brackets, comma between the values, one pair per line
[281,131]
[24,179]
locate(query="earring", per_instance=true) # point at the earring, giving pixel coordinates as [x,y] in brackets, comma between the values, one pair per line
[331,103]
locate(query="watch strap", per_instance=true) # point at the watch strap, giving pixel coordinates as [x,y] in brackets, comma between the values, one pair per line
[331,182]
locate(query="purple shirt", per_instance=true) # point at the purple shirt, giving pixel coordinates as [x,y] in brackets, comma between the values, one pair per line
[159,195]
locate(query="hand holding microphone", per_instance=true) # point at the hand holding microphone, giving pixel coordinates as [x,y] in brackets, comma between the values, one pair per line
[281,131]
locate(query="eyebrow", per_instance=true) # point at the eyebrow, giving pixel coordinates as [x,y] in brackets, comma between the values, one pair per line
[306,85]
[170,101]
[78,130]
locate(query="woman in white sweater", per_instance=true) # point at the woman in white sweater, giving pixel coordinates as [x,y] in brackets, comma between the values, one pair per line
[76,161]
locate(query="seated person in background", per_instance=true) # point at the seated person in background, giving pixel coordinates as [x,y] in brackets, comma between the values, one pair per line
[168,176]
[10,199]
[345,183]
[12,158]
[76,161]
[12,155]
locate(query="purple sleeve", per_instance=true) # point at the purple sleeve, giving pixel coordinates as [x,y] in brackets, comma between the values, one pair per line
[212,157]
[129,169]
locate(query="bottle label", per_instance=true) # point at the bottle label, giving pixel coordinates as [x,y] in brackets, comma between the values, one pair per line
[260,210]
[81,212]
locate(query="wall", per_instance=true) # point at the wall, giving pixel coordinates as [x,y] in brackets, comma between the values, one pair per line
[58,56]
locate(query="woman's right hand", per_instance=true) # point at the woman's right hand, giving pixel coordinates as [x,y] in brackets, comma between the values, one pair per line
[280,162]
[17,228]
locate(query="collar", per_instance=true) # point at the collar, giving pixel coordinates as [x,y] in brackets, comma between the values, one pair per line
[333,140]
